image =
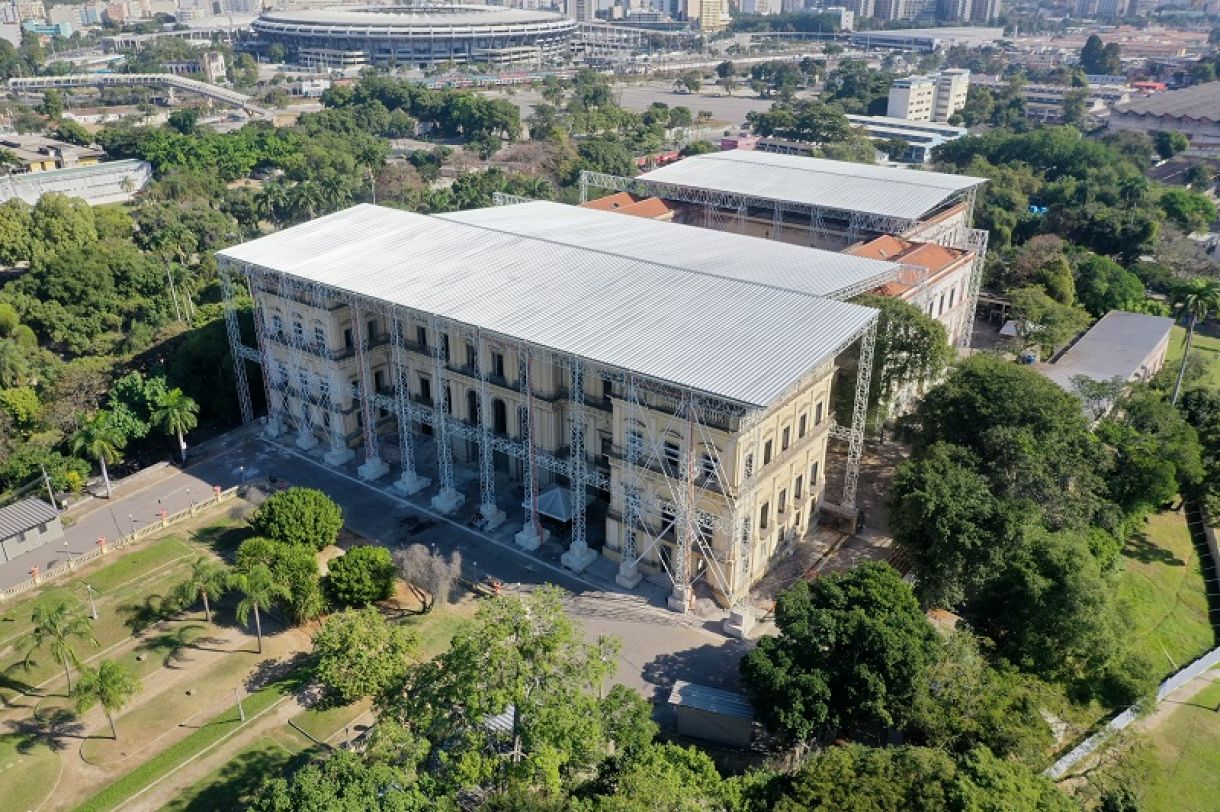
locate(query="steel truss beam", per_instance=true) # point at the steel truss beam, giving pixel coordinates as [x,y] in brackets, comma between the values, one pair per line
[857,222]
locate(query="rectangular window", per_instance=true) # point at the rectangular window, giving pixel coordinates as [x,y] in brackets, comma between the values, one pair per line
[767,452]
[277,325]
[421,337]
[668,518]
[298,331]
[787,435]
[448,401]
[940,308]
[673,453]
[764,516]
[707,465]
[705,527]
[748,467]
[283,370]
[372,330]
[796,489]
[425,388]
[606,445]
[378,380]
[445,346]
[319,335]
[783,501]
[472,357]
[800,429]
[347,338]
[817,414]
[813,475]
[497,364]
[952,296]
[607,390]
[635,444]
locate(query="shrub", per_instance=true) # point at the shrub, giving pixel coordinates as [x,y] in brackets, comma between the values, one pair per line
[363,575]
[299,516]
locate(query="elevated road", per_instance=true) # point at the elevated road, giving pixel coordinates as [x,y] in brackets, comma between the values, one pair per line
[215,92]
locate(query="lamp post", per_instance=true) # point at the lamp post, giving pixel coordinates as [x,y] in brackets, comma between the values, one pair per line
[240,710]
[241,470]
[132,519]
[92,605]
[189,499]
[68,552]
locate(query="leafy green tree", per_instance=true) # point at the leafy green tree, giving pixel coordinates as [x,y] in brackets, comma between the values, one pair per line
[259,590]
[1169,143]
[1104,285]
[176,413]
[969,704]
[184,120]
[299,516]
[344,781]
[15,225]
[852,651]
[207,581]
[363,574]
[295,570]
[58,223]
[1097,58]
[99,438]
[54,627]
[111,685]
[1195,300]
[526,657]
[1188,210]
[912,349]
[945,517]
[1157,452]
[1044,322]
[52,104]
[360,654]
[662,778]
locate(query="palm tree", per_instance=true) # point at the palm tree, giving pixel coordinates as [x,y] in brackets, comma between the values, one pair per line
[1196,299]
[54,628]
[111,684]
[208,580]
[259,589]
[176,413]
[99,437]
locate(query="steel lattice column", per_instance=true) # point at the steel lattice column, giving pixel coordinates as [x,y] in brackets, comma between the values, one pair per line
[410,482]
[628,570]
[855,442]
[532,535]
[233,329]
[686,519]
[492,515]
[578,555]
[448,499]
[373,466]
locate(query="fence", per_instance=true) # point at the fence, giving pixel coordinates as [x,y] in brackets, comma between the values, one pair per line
[1208,661]
[104,546]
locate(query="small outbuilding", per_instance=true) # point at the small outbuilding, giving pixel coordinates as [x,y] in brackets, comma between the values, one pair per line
[27,525]
[712,714]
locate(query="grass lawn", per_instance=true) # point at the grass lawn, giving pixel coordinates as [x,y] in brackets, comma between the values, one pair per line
[1203,347]
[1162,585]
[232,784]
[1183,767]
[28,770]
[207,734]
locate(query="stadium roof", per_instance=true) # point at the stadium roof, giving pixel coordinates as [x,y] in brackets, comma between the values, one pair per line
[382,18]
[1120,345]
[903,193]
[741,341]
[1198,103]
[731,256]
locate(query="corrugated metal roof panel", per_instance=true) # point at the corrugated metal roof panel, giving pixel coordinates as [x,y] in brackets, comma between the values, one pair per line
[732,256]
[24,515]
[741,341]
[712,700]
[881,190]
[1120,345]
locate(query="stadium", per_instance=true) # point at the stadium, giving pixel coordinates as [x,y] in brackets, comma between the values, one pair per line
[418,36]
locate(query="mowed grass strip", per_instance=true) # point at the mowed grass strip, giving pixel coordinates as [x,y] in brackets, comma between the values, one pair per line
[208,734]
[1163,588]
[28,771]
[234,783]
[1181,773]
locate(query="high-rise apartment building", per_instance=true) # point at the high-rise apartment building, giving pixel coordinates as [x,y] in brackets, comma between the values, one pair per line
[935,97]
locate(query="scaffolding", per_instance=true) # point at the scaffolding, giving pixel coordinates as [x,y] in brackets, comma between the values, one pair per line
[704,531]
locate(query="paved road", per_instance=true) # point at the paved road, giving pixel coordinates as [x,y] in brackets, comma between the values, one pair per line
[658,645]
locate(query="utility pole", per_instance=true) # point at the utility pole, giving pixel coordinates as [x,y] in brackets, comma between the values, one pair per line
[46,480]
[92,605]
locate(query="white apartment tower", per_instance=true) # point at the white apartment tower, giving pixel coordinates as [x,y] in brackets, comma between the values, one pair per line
[935,97]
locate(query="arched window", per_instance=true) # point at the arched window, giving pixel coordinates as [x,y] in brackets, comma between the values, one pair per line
[499,412]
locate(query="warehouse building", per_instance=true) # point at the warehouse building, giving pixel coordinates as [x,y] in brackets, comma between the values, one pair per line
[826,204]
[667,401]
